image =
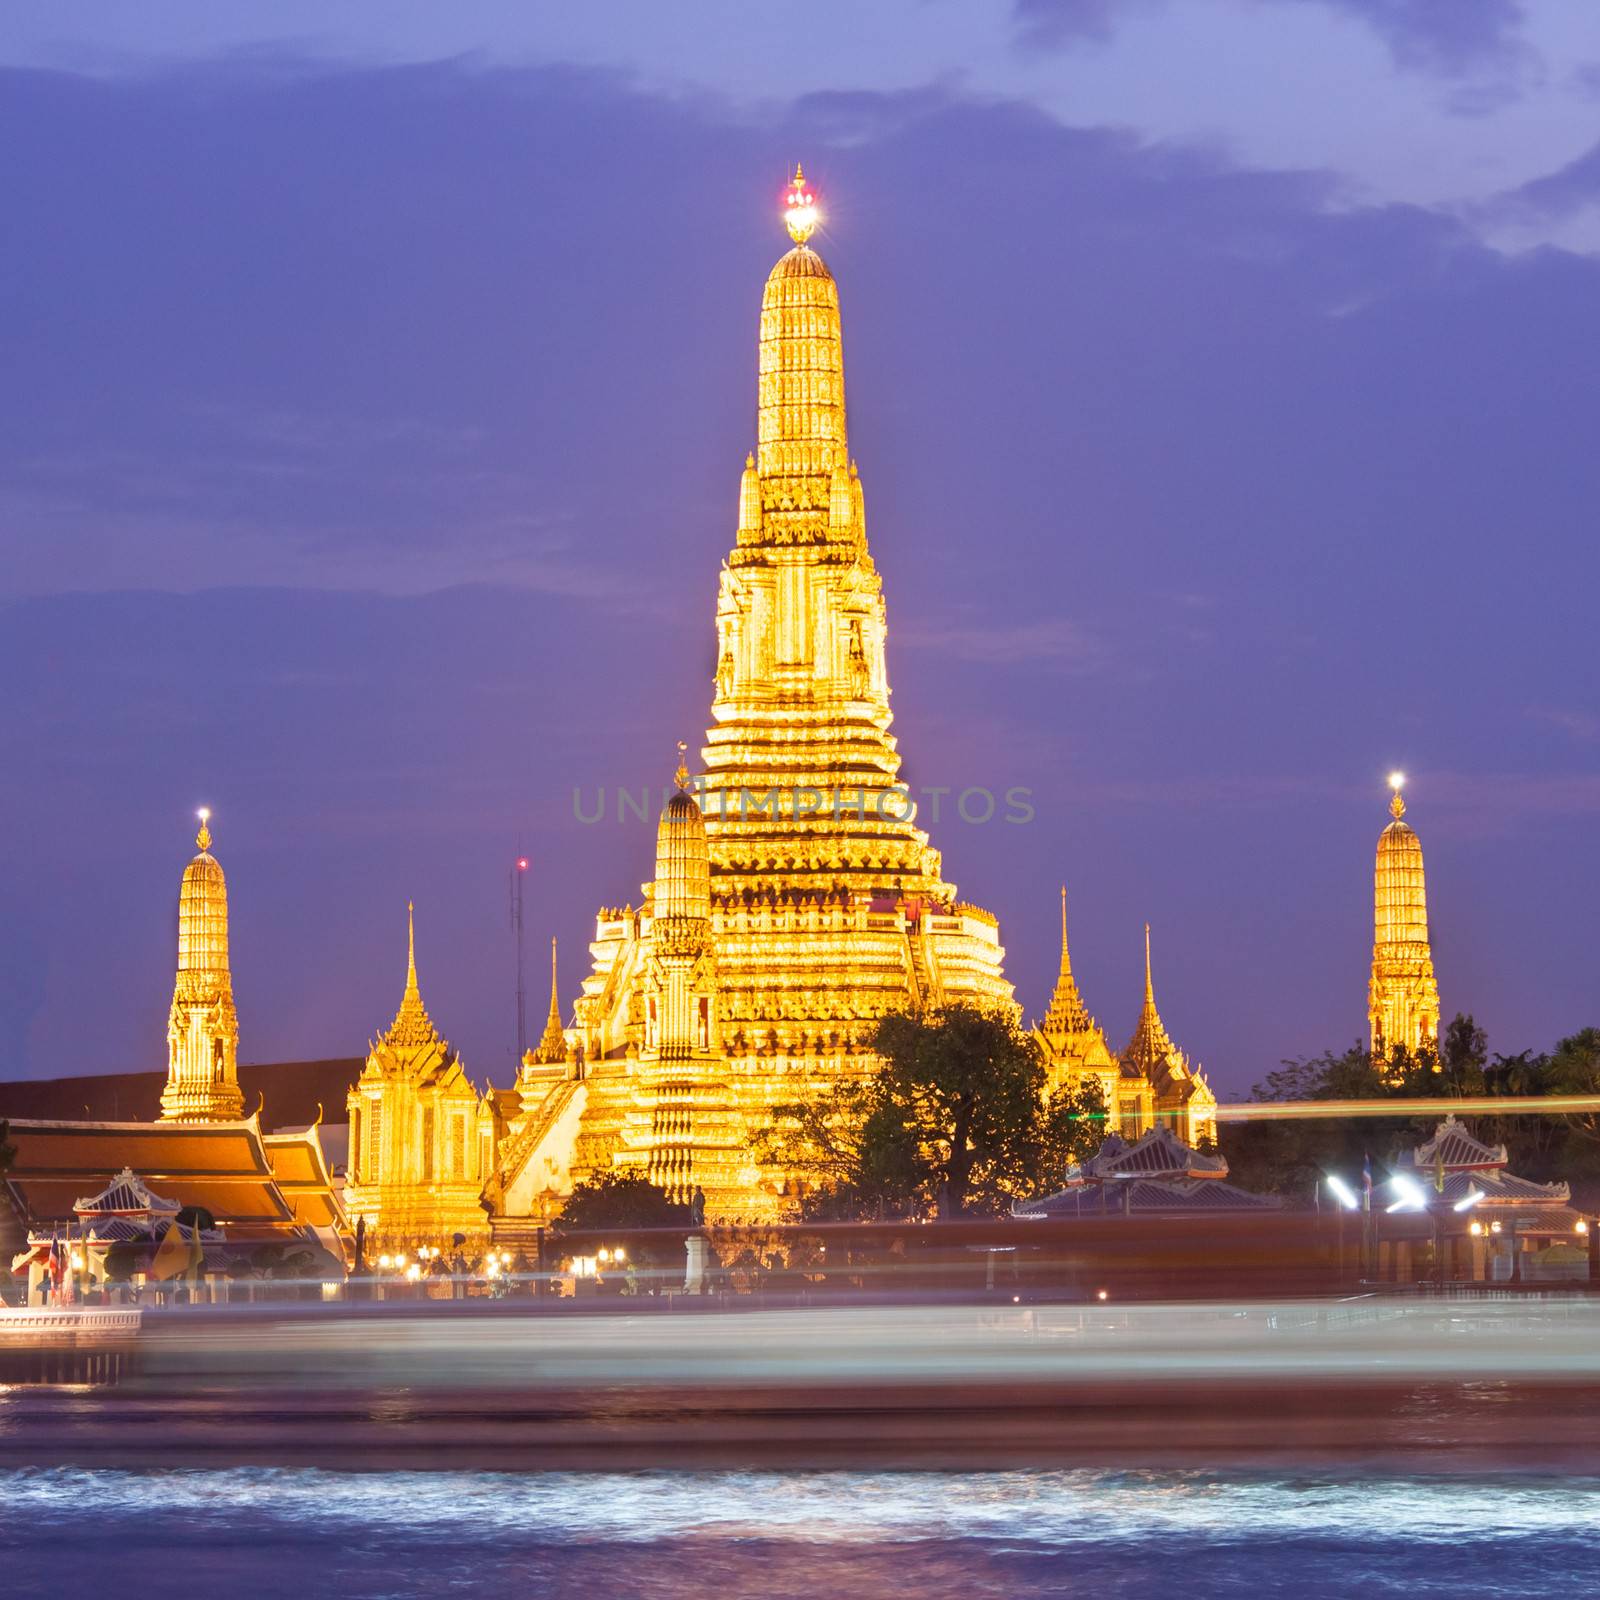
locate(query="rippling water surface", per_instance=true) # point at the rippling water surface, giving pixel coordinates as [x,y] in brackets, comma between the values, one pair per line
[271,1533]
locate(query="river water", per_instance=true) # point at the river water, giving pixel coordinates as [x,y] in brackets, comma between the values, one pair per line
[301,1534]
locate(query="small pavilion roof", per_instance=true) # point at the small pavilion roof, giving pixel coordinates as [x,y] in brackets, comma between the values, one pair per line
[1454,1143]
[125,1196]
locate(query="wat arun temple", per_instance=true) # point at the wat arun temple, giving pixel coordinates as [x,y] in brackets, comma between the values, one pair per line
[795,902]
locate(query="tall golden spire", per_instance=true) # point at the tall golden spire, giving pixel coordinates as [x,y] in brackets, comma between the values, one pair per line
[202,1025]
[553,1046]
[412,1028]
[1403,993]
[1067,1013]
[800,420]
[1151,1048]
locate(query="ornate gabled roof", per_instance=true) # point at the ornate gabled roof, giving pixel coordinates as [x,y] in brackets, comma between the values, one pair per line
[1067,1012]
[1151,1053]
[125,1195]
[1454,1144]
[1195,1194]
[1158,1174]
[412,1028]
[1159,1153]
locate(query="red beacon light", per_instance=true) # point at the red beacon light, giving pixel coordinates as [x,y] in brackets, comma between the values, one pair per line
[522,863]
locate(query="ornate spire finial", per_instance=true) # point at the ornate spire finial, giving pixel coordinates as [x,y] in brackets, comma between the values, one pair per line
[553,1046]
[1149,987]
[1397,806]
[681,776]
[800,214]
[203,837]
[412,1027]
[1067,1012]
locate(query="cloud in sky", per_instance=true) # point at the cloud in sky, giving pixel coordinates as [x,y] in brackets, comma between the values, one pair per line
[412,403]
[1448,36]
[1479,105]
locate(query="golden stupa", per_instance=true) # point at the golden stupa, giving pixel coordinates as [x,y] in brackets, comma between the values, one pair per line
[1403,995]
[202,1027]
[796,900]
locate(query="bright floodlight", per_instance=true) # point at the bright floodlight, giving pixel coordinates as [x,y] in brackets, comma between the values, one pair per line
[204,813]
[1472,1197]
[1411,1196]
[1397,780]
[1342,1191]
[801,214]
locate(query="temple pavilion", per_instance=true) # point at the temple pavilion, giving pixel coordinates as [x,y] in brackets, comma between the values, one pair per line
[1488,1224]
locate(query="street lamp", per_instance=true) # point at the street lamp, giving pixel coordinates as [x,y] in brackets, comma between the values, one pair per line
[1348,1200]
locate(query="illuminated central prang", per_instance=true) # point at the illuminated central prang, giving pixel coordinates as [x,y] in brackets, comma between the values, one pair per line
[801,215]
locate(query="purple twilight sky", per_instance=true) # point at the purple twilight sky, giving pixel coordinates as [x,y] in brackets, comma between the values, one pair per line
[1222,375]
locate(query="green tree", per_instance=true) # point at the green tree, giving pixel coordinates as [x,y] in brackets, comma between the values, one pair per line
[1463,1055]
[956,1121]
[619,1202]
[1573,1068]
[1289,1156]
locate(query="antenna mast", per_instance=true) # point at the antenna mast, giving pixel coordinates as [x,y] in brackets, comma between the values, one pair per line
[518,873]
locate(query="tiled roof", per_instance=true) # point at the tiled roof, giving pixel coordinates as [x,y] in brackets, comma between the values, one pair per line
[1455,1143]
[1148,1197]
[300,1166]
[46,1148]
[1197,1194]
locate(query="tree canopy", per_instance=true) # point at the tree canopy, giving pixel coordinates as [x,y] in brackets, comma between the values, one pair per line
[1289,1157]
[621,1202]
[958,1121]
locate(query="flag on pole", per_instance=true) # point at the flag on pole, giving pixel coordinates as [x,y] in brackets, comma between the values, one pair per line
[175,1253]
[196,1255]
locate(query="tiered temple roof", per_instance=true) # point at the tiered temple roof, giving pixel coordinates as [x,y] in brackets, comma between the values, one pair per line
[1156,1175]
[223,1168]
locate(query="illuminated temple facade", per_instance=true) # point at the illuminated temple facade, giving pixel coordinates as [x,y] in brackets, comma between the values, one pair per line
[1151,1083]
[423,1140]
[1403,995]
[795,901]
